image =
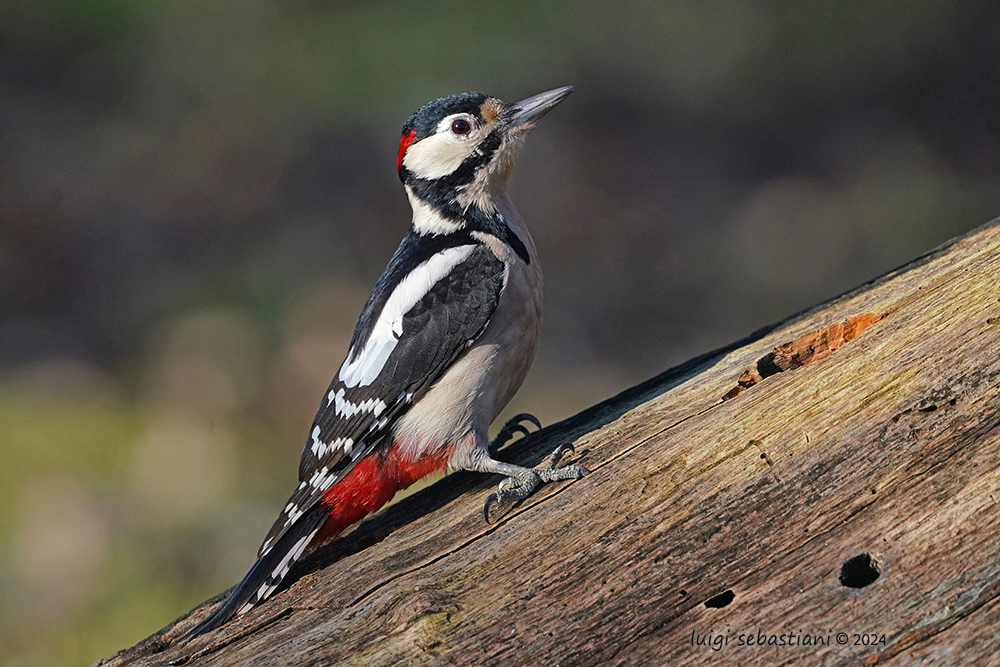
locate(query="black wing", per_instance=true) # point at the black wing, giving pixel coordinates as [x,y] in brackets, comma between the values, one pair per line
[358,413]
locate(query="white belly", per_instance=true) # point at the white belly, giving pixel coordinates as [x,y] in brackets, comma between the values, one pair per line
[469,396]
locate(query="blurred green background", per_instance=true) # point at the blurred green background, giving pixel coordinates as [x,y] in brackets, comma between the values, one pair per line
[196,197]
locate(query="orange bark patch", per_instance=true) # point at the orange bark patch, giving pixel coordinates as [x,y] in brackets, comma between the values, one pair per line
[805,349]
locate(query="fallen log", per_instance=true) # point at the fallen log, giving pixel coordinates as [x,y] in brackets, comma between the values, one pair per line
[822,492]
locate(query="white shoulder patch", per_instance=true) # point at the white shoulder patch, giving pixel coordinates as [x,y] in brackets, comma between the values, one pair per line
[362,367]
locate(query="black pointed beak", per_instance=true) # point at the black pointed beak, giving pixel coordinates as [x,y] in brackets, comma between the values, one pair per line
[526,112]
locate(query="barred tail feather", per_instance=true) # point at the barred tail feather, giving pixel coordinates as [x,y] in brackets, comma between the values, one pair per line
[267,573]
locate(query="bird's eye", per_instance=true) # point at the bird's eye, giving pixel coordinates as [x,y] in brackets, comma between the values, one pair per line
[460,126]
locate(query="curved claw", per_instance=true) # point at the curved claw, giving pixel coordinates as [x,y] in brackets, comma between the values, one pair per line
[491,500]
[525,417]
[518,428]
[512,427]
[558,453]
[495,498]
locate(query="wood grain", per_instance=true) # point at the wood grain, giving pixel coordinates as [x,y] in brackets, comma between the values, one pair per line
[888,446]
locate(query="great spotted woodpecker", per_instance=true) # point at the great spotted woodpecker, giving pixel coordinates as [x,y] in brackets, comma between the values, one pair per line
[442,345]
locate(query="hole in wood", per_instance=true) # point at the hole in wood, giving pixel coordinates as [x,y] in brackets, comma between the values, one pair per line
[805,349]
[720,600]
[860,571]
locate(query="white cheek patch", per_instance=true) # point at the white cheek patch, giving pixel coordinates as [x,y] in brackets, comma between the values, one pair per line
[439,154]
[363,367]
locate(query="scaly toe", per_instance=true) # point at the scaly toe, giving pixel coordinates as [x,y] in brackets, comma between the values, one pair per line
[557,454]
[572,471]
[524,481]
[511,491]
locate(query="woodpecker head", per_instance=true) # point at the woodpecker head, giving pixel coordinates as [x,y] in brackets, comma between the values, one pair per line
[456,152]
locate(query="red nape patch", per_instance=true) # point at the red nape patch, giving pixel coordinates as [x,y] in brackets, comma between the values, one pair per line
[372,483]
[404,143]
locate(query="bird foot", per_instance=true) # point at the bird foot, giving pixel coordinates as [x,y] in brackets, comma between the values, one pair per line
[526,481]
[512,427]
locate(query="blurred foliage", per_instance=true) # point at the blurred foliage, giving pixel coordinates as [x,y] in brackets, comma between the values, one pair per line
[195,198]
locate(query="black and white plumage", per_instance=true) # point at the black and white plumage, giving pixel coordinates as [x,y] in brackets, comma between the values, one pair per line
[396,353]
[442,344]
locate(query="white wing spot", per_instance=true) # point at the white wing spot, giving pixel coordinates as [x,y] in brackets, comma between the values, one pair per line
[314,481]
[347,409]
[320,448]
[279,571]
[317,445]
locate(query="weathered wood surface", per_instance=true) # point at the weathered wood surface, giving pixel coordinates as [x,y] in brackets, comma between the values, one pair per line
[890,446]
